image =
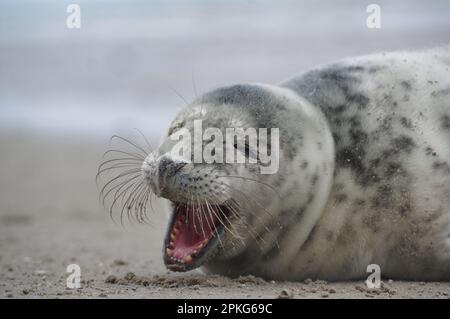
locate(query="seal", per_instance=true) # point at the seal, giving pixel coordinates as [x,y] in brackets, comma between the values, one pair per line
[363,177]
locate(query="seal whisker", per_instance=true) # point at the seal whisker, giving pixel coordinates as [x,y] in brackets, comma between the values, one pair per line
[194,86]
[179,95]
[247,199]
[150,148]
[200,213]
[121,192]
[118,189]
[233,233]
[237,210]
[117,178]
[127,205]
[252,180]
[116,166]
[137,204]
[133,207]
[203,212]
[136,161]
[142,204]
[236,213]
[129,142]
[133,155]
[117,196]
[147,200]
[192,212]
[211,229]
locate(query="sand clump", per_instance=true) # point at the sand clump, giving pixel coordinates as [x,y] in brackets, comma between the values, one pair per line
[184,281]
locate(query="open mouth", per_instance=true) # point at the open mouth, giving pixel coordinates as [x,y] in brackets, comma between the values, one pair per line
[193,234]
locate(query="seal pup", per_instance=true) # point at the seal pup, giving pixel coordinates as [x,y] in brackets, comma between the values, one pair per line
[363,177]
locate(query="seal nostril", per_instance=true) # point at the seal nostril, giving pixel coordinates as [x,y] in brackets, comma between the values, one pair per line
[178,167]
[168,166]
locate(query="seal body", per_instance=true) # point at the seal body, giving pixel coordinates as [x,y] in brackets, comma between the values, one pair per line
[390,202]
[364,171]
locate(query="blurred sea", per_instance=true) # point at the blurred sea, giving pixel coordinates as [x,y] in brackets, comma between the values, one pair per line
[122,68]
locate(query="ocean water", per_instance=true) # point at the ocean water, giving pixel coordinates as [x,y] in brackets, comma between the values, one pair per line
[130,61]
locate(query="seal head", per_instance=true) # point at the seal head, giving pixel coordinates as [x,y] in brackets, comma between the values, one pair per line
[223,211]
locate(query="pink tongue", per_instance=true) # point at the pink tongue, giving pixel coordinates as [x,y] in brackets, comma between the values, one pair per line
[195,228]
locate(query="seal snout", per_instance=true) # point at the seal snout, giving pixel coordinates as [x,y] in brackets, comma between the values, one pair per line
[160,173]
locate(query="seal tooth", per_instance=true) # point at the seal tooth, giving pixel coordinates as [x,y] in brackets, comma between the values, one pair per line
[172,236]
[187,259]
[202,244]
[169,252]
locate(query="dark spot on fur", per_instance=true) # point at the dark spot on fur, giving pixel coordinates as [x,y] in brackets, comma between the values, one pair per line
[340,198]
[407,123]
[404,143]
[338,109]
[310,198]
[336,138]
[383,196]
[441,93]
[445,122]
[406,85]
[372,221]
[444,166]
[329,235]
[350,158]
[361,100]
[313,234]
[354,68]
[314,180]
[337,78]
[347,235]
[374,69]
[304,164]
[404,207]
[394,168]
[429,151]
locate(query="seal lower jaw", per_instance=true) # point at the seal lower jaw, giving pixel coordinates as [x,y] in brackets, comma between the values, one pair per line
[193,235]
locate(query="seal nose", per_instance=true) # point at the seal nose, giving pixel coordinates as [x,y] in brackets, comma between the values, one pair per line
[167,169]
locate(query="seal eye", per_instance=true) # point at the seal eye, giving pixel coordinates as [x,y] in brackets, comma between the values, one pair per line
[175,127]
[247,151]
